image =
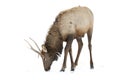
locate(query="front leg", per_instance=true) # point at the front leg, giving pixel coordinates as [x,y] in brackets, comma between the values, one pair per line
[80,45]
[65,59]
[71,58]
[67,49]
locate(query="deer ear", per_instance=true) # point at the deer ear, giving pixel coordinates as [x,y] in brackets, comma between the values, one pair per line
[44,48]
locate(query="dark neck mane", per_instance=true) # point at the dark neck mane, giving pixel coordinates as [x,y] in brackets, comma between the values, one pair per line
[54,42]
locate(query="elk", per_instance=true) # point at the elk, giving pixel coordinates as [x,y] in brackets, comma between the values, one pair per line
[70,24]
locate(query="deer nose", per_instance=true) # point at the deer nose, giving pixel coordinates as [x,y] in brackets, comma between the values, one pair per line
[47,69]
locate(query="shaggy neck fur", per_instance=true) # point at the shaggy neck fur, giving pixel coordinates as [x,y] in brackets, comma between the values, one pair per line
[54,42]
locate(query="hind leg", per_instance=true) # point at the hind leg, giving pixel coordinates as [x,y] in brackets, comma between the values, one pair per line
[89,35]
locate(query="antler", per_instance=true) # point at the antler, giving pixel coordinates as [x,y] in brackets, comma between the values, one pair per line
[39,52]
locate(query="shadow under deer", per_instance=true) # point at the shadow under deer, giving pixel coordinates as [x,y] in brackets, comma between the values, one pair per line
[70,24]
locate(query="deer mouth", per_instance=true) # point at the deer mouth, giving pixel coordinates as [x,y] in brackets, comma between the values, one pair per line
[47,69]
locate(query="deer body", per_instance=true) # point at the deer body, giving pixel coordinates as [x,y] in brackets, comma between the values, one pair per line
[76,21]
[69,25]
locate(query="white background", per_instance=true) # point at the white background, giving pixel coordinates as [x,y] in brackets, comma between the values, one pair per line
[21,19]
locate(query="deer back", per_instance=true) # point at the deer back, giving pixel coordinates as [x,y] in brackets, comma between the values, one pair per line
[76,21]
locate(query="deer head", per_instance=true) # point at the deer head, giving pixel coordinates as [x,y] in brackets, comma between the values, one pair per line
[46,58]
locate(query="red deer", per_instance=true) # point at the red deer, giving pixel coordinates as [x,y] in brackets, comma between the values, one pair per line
[69,25]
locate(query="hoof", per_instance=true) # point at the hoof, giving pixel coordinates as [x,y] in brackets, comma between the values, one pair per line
[91,67]
[62,70]
[72,69]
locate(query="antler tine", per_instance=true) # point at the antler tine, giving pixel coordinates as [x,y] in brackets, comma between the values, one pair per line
[35,44]
[33,48]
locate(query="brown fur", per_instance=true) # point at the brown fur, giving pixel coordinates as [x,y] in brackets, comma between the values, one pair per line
[54,42]
[69,25]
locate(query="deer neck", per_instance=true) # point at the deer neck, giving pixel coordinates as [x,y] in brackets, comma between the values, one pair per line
[54,42]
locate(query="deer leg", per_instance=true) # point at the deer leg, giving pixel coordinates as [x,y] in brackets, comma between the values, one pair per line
[80,45]
[89,34]
[71,58]
[67,49]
